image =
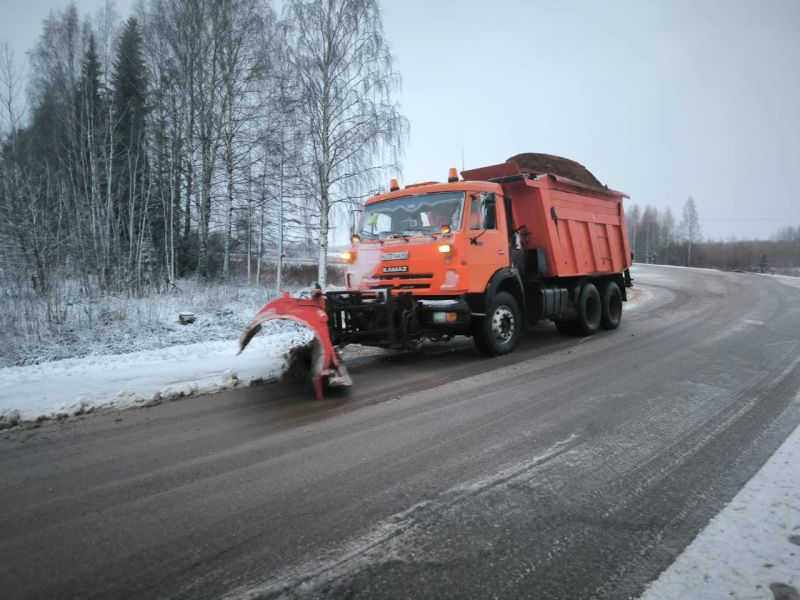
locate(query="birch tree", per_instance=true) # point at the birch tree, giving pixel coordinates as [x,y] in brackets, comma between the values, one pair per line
[244,33]
[11,180]
[351,120]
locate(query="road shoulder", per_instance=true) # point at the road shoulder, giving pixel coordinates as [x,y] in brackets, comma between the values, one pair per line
[751,549]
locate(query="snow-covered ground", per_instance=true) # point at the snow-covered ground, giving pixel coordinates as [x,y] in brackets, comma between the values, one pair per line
[750,550]
[786,280]
[76,385]
[67,325]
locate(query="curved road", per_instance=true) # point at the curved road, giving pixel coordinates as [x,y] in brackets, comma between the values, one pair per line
[574,468]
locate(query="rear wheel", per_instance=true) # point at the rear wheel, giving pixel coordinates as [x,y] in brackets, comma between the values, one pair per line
[499,331]
[612,306]
[590,313]
[590,310]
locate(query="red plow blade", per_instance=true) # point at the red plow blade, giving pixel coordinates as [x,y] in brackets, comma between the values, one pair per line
[310,312]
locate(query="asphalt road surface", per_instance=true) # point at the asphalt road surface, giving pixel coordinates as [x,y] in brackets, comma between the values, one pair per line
[575,468]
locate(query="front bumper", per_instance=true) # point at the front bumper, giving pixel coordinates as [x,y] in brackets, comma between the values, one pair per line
[446,314]
[391,319]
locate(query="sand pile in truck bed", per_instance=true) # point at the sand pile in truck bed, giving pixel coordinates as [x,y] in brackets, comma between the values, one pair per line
[557,165]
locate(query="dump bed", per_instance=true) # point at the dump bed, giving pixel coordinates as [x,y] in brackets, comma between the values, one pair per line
[580,228]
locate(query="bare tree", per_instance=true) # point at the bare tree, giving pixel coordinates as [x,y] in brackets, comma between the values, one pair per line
[12,77]
[244,33]
[12,246]
[666,224]
[690,227]
[347,82]
[633,218]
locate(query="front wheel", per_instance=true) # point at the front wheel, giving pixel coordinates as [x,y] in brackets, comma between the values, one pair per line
[499,331]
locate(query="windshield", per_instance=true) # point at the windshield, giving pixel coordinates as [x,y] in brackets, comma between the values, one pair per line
[412,215]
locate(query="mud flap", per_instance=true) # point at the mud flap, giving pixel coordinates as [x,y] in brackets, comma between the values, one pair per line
[310,312]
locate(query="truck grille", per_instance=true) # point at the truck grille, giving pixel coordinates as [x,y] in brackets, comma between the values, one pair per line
[402,281]
[404,276]
[402,286]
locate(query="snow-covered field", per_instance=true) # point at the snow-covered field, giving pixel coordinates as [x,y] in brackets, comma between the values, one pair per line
[76,385]
[66,324]
[750,550]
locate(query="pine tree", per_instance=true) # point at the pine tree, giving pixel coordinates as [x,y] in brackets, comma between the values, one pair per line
[130,167]
[89,103]
[89,135]
[130,90]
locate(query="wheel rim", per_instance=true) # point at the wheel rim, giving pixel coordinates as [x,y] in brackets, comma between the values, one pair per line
[503,325]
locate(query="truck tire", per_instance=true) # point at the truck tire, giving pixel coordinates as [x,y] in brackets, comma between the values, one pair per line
[590,314]
[590,310]
[499,331]
[612,306]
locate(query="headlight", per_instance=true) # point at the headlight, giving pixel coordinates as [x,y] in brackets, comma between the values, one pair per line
[444,248]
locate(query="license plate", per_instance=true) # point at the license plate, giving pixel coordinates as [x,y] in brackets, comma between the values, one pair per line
[394,255]
[396,269]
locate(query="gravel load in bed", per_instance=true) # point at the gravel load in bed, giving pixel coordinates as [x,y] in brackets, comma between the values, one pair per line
[556,165]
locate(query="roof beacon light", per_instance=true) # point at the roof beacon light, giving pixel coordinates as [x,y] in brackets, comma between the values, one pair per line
[393,185]
[453,175]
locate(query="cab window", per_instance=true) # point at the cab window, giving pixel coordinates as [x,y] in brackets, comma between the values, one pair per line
[483,211]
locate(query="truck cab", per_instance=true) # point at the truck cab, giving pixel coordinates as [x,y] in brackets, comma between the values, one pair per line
[431,249]
[436,240]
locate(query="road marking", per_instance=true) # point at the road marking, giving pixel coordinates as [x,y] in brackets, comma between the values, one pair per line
[752,322]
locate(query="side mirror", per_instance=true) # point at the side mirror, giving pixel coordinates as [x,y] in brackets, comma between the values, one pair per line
[355,216]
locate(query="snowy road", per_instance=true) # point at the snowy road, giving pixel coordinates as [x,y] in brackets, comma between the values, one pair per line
[572,469]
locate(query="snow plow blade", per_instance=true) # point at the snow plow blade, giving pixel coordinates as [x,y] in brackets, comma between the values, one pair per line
[310,312]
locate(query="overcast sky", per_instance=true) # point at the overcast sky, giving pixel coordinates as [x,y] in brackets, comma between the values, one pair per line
[661,100]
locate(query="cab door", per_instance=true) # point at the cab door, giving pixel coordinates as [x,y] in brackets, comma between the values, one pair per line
[487,240]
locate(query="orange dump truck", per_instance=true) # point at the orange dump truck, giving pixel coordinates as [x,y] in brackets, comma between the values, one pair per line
[534,238]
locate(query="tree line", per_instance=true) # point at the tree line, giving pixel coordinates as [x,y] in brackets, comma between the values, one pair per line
[658,237]
[197,137]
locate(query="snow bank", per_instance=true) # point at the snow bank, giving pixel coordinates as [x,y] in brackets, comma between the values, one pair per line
[79,385]
[789,280]
[752,548]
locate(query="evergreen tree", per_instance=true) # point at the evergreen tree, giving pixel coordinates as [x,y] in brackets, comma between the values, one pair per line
[129,110]
[130,90]
[90,116]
